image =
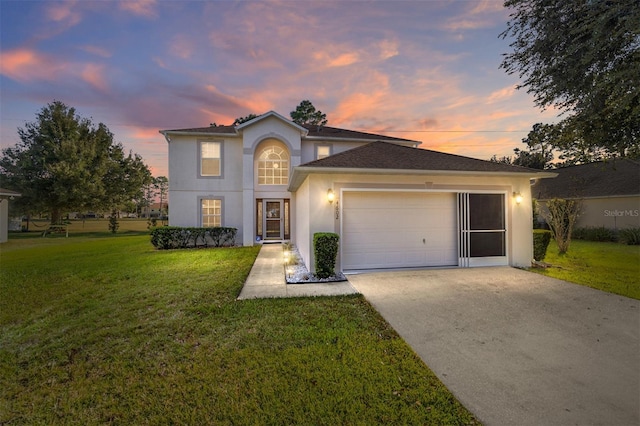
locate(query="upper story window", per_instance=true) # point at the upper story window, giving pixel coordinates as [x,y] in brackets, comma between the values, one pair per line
[322,151]
[210,159]
[273,165]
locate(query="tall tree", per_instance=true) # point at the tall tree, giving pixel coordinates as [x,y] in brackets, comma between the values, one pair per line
[540,146]
[64,162]
[581,57]
[306,113]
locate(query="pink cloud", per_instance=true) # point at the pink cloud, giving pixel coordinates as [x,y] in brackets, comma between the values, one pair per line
[64,13]
[27,65]
[144,8]
[181,47]
[96,50]
[501,95]
[94,75]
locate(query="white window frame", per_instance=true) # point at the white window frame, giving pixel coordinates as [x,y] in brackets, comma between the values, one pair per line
[317,151]
[201,158]
[267,165]
[217,216]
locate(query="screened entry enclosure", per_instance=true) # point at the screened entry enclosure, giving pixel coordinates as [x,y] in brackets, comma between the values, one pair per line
[482,225]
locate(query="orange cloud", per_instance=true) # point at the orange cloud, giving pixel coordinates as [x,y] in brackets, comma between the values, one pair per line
[27,65]
[331,60]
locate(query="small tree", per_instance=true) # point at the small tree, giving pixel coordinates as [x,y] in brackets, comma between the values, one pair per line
[113,221]
[161,185]
[561,215]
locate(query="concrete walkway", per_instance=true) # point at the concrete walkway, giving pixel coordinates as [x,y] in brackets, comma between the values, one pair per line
[267,280]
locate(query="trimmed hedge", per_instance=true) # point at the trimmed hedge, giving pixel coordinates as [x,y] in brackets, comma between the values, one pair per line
[595,233]
[325,249]
[175,237]
[541,241]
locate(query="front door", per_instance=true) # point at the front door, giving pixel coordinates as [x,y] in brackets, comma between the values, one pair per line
[273,223]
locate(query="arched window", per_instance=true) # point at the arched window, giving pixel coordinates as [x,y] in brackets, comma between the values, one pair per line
[273,165]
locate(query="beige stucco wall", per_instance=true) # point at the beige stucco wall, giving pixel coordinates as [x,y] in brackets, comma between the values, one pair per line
[301,204]
[322,215]
[238,186]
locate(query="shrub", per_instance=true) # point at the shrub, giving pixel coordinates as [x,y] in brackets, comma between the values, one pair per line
[541,241]
[630,236]
[325,249]
[175,237]
[594,233]
[561,216]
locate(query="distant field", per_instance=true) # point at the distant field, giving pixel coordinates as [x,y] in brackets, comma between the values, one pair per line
[92,225]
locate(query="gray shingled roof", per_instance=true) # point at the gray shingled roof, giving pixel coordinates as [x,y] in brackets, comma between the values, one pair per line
[211,129]
[612,178]
[324,132]
[384,155]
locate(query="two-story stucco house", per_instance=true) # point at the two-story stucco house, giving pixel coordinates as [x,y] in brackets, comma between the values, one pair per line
[393,204]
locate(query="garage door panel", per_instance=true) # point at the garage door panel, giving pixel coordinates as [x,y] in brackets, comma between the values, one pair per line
[392,229]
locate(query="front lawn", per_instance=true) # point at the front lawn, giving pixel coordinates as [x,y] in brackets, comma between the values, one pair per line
[610,267]
[109,330]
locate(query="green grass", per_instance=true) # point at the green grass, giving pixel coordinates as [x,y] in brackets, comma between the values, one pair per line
[610,267]
[108,330]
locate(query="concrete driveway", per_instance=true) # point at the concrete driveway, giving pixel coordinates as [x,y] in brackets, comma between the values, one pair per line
[518,348]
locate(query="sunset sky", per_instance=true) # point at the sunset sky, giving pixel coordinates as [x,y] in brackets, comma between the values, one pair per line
[424,70]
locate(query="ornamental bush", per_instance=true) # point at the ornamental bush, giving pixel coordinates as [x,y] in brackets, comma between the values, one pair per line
[325,249]
[630,236]
[175,237]
[541,239]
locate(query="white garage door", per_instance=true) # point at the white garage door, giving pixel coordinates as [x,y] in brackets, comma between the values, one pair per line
[398,230]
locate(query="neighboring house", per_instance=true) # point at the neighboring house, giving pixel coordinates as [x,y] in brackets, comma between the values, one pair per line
[610,192]
[5,196]
[154,211]
[393,205]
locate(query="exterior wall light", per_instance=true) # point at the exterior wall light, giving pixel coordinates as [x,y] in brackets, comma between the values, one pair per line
[330,196]
[518,197]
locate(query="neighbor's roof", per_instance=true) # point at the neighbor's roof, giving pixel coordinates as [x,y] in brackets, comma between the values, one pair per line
[384,157]
[9,193]
[618,177]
